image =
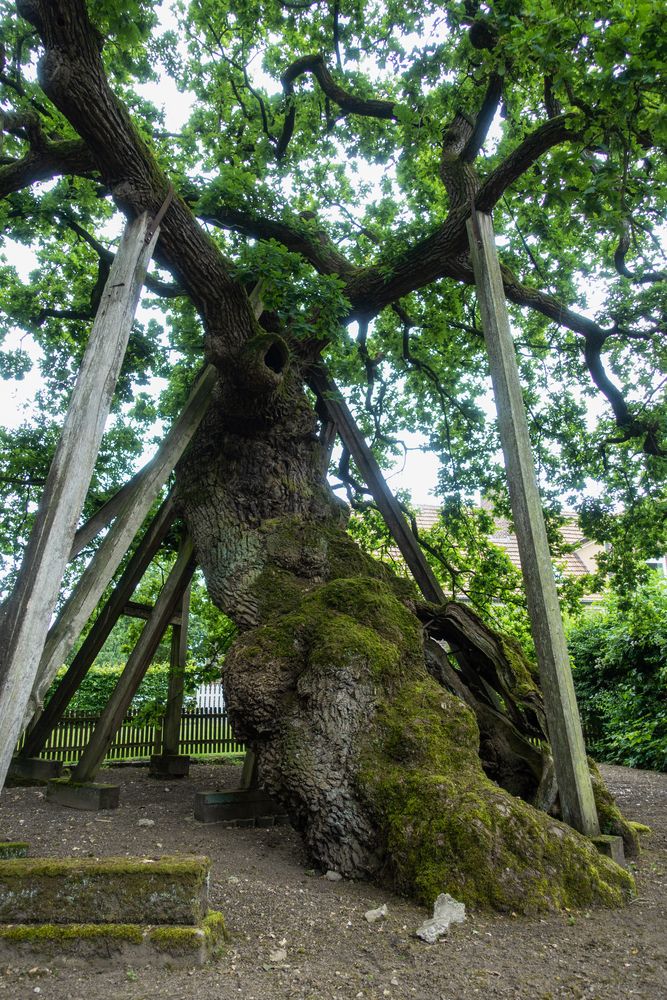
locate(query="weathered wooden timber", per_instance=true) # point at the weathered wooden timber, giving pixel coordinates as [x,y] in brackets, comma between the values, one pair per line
[339,413]
[26,616]
[574,783]
[44,725]
[137,665]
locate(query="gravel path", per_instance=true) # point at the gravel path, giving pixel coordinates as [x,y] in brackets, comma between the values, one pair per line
[272,903]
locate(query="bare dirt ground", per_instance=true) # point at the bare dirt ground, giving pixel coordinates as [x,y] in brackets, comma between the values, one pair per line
[260,881]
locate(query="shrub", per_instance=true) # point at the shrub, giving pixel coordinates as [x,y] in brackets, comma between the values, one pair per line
[99,683]
[619,654]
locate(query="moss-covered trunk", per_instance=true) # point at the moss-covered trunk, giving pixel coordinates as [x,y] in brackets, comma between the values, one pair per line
[376,761]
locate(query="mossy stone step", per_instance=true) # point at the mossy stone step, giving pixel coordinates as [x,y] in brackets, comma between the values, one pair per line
[132,944]
[169,890]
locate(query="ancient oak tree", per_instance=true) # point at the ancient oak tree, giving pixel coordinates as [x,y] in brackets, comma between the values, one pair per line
[332,153]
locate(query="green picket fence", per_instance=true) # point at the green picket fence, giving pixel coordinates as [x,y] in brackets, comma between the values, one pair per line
[204,732]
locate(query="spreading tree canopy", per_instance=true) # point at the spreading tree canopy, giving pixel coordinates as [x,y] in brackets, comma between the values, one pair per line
[332,154]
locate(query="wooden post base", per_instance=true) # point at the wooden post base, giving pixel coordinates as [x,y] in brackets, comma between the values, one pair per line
[32,771]
[87,795]
[169,766]
[251,807]
[610,846]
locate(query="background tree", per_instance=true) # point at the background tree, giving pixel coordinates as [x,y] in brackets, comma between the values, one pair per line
[333,154]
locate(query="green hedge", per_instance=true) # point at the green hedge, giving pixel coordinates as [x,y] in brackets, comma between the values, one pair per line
[99,683]
[619,654]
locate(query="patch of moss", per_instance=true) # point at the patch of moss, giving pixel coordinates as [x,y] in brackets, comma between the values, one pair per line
[78,784]
[86,867]
[370,603]
[67,933]
[448,828]
[212,933]
[176,940]
[278,592]
[525,675]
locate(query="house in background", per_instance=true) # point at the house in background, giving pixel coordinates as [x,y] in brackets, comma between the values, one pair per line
[579,562]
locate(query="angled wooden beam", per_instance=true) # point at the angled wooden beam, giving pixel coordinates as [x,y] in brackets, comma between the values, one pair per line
[138,501]
[103,516]
[95,578]
[572,774]
[134,609]
[137,665]
[26,617]
[339,413]
[43,726]
[171,726]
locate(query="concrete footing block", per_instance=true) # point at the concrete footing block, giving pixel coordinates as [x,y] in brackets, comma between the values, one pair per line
[32,771]
[169,766]
[87,795]
[610,846]
[241,808]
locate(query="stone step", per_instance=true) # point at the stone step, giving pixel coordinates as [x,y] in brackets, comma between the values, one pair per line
[95,945]
[169,890]
[240,807]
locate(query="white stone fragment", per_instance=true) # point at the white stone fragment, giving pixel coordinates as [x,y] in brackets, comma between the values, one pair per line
[446,911]
[146,822]
[372,916]
[333,876]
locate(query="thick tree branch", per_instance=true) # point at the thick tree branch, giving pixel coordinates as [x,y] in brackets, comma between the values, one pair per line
[350,104]
[543,138]
[483,121]
[648,277]
[315,247]
[53,159]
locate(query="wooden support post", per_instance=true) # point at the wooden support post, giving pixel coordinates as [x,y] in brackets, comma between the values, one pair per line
[136,666]
[26,617]
[249,773]
[572,774]
[171,728]
[103,516]
[353,439]
[133,609]
[99,572]
[42,728]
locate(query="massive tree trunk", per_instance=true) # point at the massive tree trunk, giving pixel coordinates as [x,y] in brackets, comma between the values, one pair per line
[377,761]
